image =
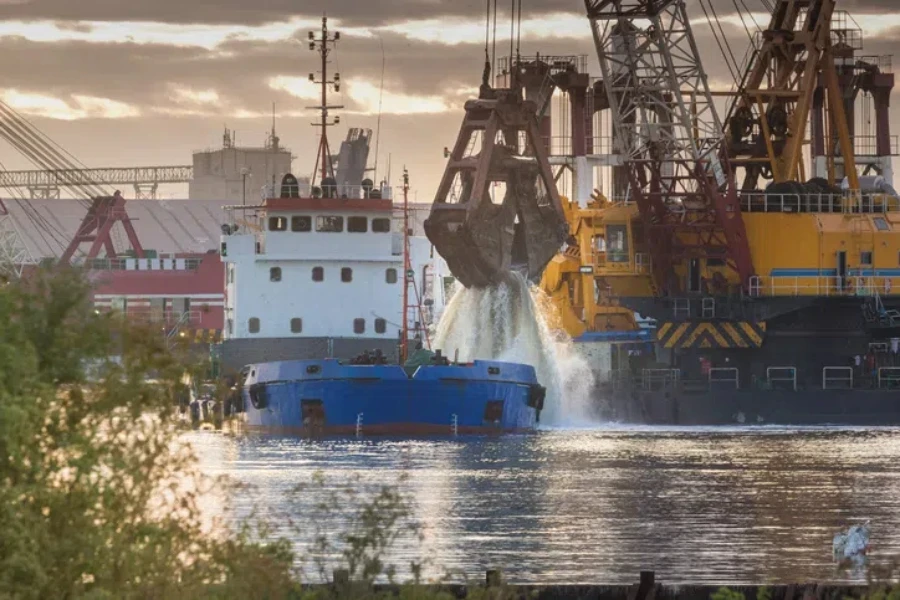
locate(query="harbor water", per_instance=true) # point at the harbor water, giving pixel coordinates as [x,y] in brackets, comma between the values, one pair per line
[723,505]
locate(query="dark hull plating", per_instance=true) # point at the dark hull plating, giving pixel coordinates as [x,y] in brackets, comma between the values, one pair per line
[746,407]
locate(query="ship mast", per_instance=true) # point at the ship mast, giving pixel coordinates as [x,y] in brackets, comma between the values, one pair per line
[323,45]
[407,267]
[413,315]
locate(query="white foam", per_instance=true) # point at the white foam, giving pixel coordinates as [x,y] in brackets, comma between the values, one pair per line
[514,322]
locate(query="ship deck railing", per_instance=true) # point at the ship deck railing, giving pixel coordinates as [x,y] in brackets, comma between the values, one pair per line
[777,378]
[824,285]
[828,203]
[342,191]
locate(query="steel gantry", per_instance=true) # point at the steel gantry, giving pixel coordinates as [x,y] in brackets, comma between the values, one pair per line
[667,129]
[49,183]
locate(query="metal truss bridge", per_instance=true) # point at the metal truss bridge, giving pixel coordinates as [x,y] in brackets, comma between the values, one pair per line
[49,184]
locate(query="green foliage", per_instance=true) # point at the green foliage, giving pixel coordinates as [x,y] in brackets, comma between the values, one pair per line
[100,496]
[725,593]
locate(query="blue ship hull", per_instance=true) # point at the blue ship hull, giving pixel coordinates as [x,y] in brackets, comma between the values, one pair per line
[325,397]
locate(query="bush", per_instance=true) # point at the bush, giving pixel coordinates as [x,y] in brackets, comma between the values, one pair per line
[100,498]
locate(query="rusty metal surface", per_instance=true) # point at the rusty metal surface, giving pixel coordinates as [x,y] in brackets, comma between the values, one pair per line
[481,230]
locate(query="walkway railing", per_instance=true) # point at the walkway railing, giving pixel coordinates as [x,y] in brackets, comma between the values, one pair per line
[785,376]
[724,376]
[837,378]
[814,285]
[653,379]
[888,377]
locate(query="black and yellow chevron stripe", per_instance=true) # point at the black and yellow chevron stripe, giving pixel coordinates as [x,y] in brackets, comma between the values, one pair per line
[204,336]
[726,334]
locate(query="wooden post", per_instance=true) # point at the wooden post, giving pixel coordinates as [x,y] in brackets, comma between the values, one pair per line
[493,578]
[340,577]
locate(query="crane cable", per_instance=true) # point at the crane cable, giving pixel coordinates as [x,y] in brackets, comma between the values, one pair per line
[731,69]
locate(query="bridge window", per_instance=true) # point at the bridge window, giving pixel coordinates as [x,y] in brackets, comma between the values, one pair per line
[357,224]
[359,326]
[302,223]
[296,325]
[390,275]
[617,243]
[318,274]
[275,274]
[865,258]
[330,224]
[880,224]
[277,224]
[381,225]
[715,262]
[380,325]
[253,325]
[346,274]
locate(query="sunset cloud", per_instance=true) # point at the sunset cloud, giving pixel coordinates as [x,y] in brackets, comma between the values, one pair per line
[78,107]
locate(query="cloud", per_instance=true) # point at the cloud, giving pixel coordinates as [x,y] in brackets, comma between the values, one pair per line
[79,107]
[101,74]
[184,95]
[369,99]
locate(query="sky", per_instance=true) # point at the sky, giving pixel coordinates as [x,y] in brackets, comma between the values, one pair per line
[147,82]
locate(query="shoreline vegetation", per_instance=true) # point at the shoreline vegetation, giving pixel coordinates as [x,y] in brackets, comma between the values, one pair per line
[100,499]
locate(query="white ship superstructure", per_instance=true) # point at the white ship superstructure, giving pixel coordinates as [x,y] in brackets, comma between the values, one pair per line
[314,277]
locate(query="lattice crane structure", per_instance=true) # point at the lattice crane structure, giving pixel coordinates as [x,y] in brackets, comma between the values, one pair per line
[668,131]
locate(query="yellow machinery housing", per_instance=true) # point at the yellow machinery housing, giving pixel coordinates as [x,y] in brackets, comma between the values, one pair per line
[570,279]
[854,251]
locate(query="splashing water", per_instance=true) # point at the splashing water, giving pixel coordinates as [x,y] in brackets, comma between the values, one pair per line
[514,322]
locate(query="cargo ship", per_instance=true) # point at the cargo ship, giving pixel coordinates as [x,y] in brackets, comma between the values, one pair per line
[328,398]
[324,303]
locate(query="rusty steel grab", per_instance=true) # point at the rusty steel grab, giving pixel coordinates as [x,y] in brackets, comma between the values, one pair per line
[480,234]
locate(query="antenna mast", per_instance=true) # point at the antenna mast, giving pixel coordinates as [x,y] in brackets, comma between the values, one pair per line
[324,46]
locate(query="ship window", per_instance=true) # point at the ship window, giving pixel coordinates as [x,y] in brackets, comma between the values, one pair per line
[715,262]
[318,274]
[230,273]
[277,224]
[380,325]
[880,224]
[296,325]
[359,325]
[301,223]
[346,274]
[230,326]
[390,275]
[357,224]
[253,325]
[275,274]
[330,224]
[381,225]
[865,258]
[617,243]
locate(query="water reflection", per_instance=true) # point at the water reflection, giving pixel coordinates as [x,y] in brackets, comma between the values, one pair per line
[728,505]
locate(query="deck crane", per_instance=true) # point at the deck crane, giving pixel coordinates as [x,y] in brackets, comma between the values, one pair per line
[104,208]
[671,138]
[767,121]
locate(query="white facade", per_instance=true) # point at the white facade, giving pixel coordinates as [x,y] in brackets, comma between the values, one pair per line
[235,175]
[294,279]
